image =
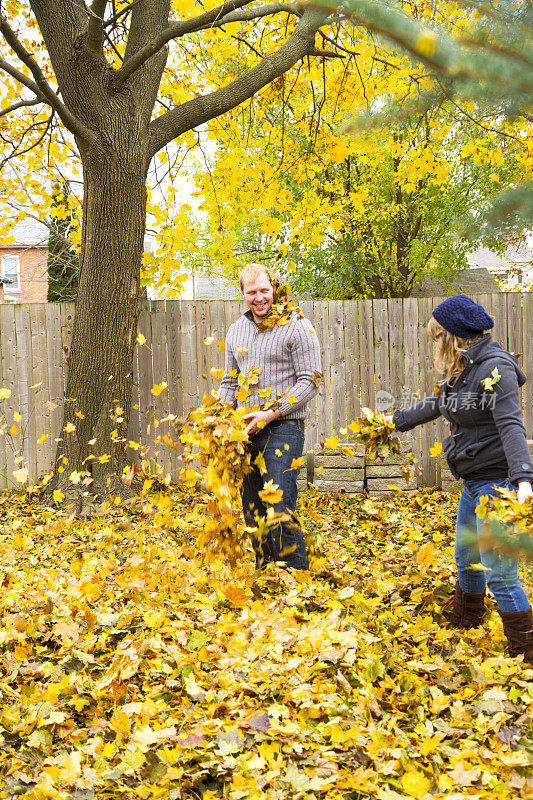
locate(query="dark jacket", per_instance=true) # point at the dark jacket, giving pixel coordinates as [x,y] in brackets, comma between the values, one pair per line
[485,423]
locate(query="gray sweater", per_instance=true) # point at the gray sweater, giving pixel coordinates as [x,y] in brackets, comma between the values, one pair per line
[288,356]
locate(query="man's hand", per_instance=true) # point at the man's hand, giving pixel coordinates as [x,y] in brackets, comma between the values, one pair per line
[524,491]
[258,419]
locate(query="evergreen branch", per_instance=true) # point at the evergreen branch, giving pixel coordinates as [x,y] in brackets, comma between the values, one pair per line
[95,28]
[41,87]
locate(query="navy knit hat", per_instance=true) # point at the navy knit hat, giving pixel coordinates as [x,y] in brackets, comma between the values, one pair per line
[463,317]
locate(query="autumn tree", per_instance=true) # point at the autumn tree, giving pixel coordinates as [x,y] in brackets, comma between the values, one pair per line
[358,210]
[98,72]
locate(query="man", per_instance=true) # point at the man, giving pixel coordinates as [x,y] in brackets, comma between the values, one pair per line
[282,360]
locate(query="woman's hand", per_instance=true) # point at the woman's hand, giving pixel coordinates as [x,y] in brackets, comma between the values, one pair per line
[524,491]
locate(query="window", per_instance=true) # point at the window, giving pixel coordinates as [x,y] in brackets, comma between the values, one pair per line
[11,272]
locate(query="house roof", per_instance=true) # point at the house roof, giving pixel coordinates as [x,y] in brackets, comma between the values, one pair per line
[26,233]
[471,281]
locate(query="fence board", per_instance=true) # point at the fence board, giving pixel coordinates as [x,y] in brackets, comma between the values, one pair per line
[203,330]
[188,356]
[55,372]
[11,382]
[26,426]
[528,361]
[337,365]
[310,422]
[515,329]
[159,369]
[134,424]
[395,314]
[409,396]
[353,377]
[175,382]
[3,411]
[323,404]
[366,351]
[381,350]
[425,352]
[40,393]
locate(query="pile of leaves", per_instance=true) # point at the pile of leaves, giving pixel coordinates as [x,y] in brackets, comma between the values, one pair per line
[509,524]
[131,668]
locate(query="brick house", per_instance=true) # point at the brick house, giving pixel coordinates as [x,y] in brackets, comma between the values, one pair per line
[23,257]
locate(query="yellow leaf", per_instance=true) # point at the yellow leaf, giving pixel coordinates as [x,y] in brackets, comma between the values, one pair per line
[134,445]
[17,417]
[209,340]
[141,339]
[271,493]
[436,450]
[332,441]
[21,475]
[13,430]
[158,388]
[297,463]
[221,345]
[5,394]
[71,767]
[292,399]
[69,427]
[42,438]
[278,452]
[58,496]
[75,477]
[415,783]
[216,373]
[265,392]
[425,555]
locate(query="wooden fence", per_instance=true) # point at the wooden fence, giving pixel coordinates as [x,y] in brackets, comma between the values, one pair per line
[369,349]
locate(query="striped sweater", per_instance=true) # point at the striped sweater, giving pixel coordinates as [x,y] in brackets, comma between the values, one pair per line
[288,357]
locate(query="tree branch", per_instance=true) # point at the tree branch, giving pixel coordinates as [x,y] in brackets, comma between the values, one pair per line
[21,104]
[195,112]
[95,29]
[41,87]
[215,18]
[115,18]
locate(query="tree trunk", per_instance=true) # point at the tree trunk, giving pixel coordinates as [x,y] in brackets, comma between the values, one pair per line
[99,383]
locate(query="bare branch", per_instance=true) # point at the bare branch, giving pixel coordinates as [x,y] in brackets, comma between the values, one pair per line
[95,29]
[215,18]
[195,112]
[317,51]
[115,18]
[41,87]
[21,104]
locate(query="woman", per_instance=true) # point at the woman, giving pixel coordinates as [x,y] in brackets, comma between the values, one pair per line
[487,447]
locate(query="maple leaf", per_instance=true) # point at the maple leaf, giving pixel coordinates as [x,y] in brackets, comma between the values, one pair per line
[270,493]
[490,382]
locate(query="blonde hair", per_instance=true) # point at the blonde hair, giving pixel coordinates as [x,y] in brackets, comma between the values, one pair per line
[449,357]
[253,271]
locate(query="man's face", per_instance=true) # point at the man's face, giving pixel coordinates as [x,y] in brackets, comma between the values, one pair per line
[258,294]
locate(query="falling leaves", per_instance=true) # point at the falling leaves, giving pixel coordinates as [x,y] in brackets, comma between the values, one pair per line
[436,450]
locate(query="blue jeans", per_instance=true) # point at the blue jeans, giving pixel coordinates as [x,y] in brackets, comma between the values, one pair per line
[502,580]
[284,542]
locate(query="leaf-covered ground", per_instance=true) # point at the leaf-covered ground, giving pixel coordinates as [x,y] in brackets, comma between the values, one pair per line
[132,668]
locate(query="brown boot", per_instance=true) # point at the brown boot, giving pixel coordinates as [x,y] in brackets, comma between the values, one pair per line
[518,628]
[468,609]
